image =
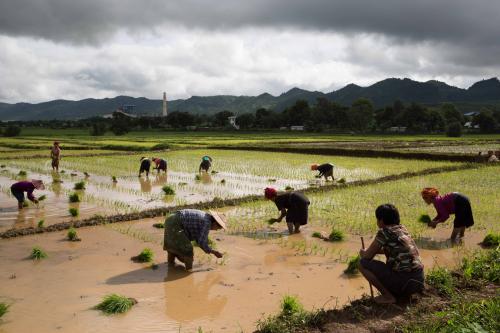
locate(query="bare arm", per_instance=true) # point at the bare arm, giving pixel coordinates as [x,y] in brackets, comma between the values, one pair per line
[282,215]
[371,251]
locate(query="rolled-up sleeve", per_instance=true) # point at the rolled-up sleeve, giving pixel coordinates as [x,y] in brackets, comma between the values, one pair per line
[29,194]
[203,239]
[442,212]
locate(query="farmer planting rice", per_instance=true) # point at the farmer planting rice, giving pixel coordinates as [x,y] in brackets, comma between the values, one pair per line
[206,163]
[19,188]
[160,164]
[55,155]
[450,203]
[325,170]
[145,166]
[188,225]
[402,274]
[293,205]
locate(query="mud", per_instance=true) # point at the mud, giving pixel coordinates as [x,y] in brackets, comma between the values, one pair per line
[57,293]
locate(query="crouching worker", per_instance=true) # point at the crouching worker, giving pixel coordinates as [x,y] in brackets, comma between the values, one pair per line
[402,274]
[160,164]
[188,225]
[145,166]
[451,203]
[206,163]
[325,170]
[19,188]
[293,205]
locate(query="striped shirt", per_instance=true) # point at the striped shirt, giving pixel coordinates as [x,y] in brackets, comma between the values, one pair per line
[400,249]
[196,225]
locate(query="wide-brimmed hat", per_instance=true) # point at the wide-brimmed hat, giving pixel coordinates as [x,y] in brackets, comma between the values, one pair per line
[38,184]
[219,218]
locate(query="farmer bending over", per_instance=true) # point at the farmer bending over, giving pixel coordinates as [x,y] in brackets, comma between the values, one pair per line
[145,166]
[19,188]
[325,170]
[160,164]
[450,203]
[402,274]
[55,155]
[188,225]
[206,163]
[293,205]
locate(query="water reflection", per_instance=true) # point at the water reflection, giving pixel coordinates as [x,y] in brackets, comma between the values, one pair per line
[160,179]
[146,185]
[206,178]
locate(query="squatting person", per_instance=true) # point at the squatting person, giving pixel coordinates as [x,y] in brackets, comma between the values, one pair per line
[188,225]
[19,188]
[402,274]
[293,205]
[450,203]
[55,155]
[206,163]
[145,166]
[325,170]
[160,164]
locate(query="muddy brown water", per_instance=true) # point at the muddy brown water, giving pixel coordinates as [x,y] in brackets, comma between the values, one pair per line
[58,293]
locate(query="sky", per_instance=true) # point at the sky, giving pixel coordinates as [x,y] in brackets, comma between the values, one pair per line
[69,49]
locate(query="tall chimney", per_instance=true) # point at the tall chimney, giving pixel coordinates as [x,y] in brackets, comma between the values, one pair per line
[164,104]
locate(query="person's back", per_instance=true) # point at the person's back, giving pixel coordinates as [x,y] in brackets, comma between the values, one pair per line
[400,248]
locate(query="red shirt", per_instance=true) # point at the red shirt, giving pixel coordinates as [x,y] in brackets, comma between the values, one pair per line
[445,205]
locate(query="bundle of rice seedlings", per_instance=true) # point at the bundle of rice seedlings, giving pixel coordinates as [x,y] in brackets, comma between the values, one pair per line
[197,177]
[336,236]
[72,235]
[22,173]
[40,223]
[291,305]
[214,172]
[74,197]
[113,178]
[353,265]
[159,225]
[223,181]
[37,253]
[289,188]
[4,308]
[341,181]
[491,240]
[42,197]
[114,303]
[317,234]
[146,255]
[2,166]
[272,180]
[73,212]
[424,218]
[168,190]
[80,186]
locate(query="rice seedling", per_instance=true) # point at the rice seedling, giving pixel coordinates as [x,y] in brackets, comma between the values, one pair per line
[37,253]
[353,265]
[168,190]
[424,218]
[79,186]
[442,280]
[291,305]
[223,181]
[2,166]
[483,265]
[73,212]
[114,303]
[214,172]
[146,255]
[272,180]
[491,240]
[22,173]
[25,204]
[62,171]
[336,235]
[341,181]
[42,197]
[197,177]
[4,308]
[317,234]
[182,184]
[113,179]
[72,235]
[289,188]
[160,225]
[74,197]
[40,223]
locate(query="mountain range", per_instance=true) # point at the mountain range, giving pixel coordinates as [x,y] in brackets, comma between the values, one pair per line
[382,93]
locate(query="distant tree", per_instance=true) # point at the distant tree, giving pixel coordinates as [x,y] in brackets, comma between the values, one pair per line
[361,115]
[454,129]
[451,114]
[12,130]
[487,123]
[120,124]
[221,118]
[98,128]
[297,114]
[245,120]
[178,119]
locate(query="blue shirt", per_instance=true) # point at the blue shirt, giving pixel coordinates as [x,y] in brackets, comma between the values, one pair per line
[196,225]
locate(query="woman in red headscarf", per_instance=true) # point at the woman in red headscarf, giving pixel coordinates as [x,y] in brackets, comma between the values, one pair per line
[450,203]
[293,205]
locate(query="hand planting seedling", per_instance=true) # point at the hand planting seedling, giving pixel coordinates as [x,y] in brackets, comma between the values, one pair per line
[168,190]
[40,223]
[79,186]
[159,225]
[424,218]
[114,303]
[37,253]
[74,197]
[272,220]
[353,265]
[72,235]
[73,212]
[42,197]
[146,255]
[491,240]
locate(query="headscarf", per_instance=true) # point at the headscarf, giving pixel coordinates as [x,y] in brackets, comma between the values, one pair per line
[270,193]
[38,184]
[430,192]
[314,167]
[56,143]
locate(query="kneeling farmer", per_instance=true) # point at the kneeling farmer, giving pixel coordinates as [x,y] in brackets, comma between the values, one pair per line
[325,170]
[206,163]
[402,274]
[145,166]
[188,225]
[19,188]
[160,164]
[293,205]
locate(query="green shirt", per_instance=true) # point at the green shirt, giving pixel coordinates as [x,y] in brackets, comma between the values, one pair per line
[400,249]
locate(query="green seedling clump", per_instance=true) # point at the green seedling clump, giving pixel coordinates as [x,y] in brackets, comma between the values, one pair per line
[73,212]
[4,308]
[62,171]
[42,197]
[341,181]
[79,186]
[441,279]
[22,173]
[168,190]
[146,255]
[353,266]
[491,240]
[74,197]
[291,305]
[159,225]
[272,180]
[37,253]
[214,172]
[40,223]
[223,181]
[197,177]
[289,188]
[317,234]
[114,303]
[72,235]
[484,265]
[113,178]
[182,184]
[25,203]
[424,218]
[2,166]
[336,236]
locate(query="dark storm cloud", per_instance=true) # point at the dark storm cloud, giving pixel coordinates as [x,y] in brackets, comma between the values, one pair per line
[471,22]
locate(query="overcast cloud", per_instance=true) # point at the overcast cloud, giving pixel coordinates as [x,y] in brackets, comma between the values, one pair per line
[51,49]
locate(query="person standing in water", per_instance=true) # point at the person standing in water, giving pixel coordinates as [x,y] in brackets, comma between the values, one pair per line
[55,155]
[18,189]
[145,166]
[293,205]
[188,225]
[160,164]
[325,170]
[450,203]
[206,163]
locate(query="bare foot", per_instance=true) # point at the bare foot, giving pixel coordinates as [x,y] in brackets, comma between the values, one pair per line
[385,299]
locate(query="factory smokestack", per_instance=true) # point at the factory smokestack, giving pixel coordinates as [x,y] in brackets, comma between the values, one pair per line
[164,104]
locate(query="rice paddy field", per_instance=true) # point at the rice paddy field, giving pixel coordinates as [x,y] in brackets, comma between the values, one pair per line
[261,262]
